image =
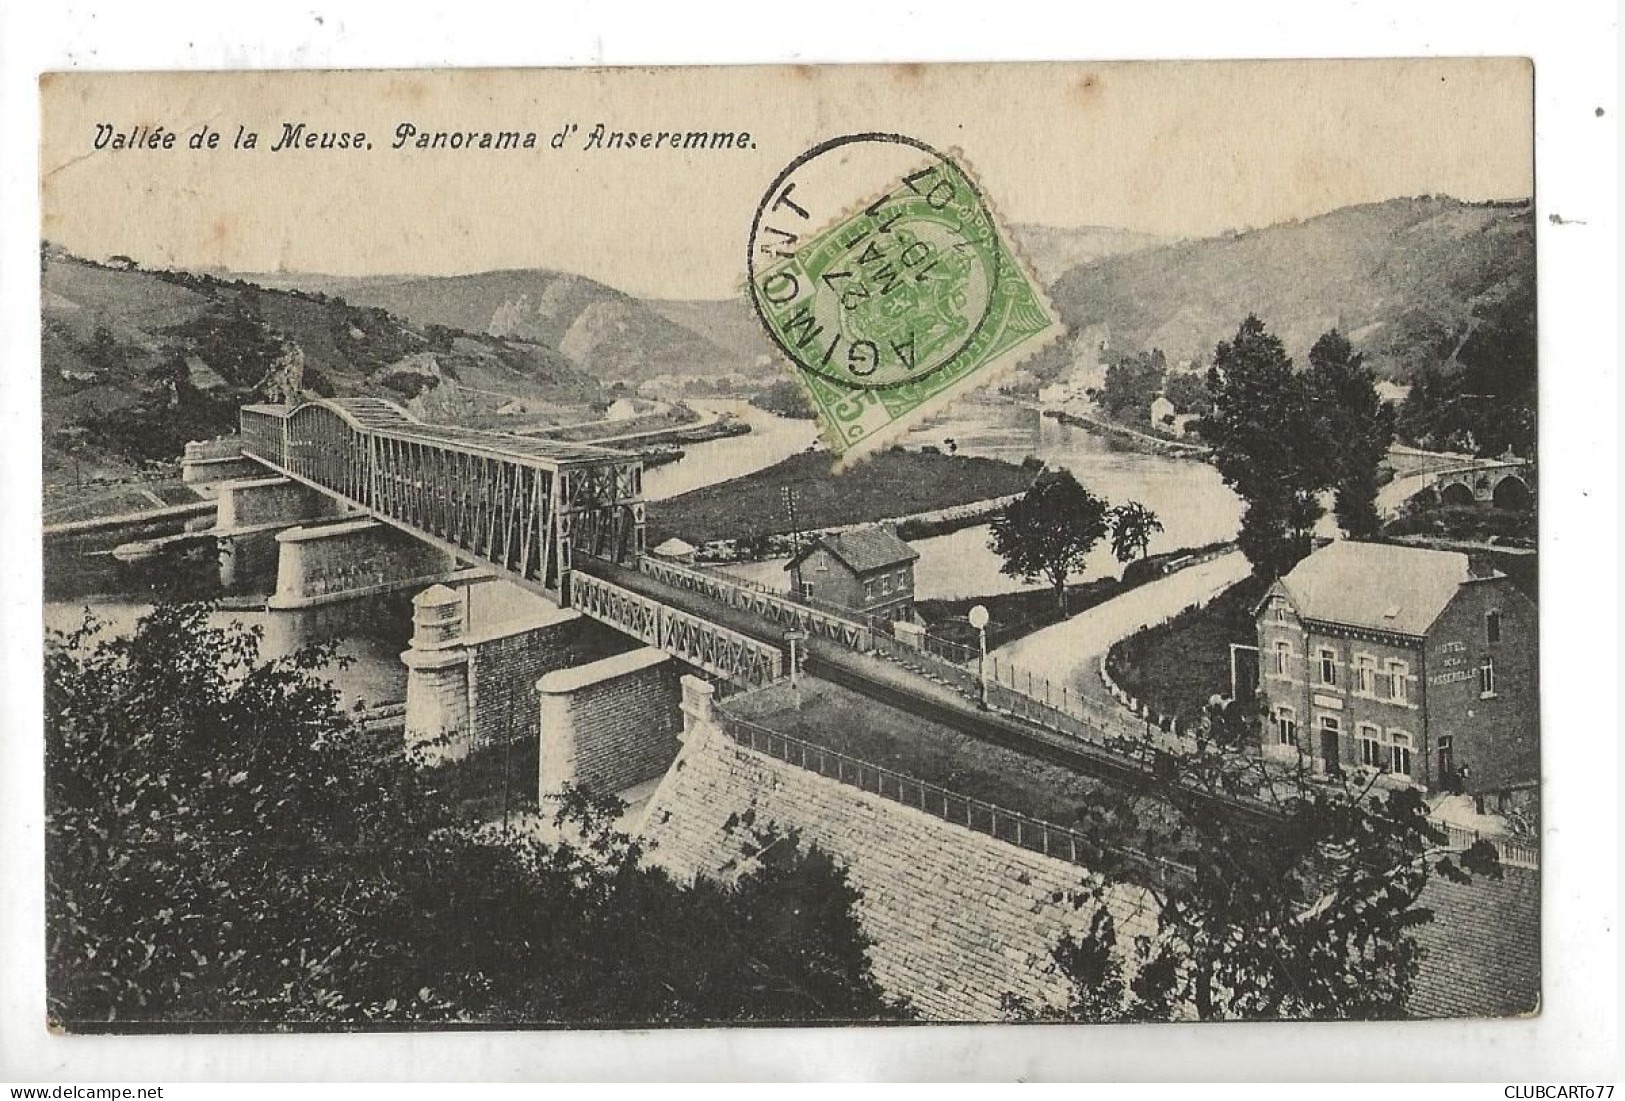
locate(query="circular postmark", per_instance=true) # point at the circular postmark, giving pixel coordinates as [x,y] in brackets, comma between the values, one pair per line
[873,261]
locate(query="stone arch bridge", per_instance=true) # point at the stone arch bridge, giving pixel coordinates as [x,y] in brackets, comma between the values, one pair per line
[1506,482]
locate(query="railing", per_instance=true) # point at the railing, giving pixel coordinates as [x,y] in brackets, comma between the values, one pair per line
[1026,695]
[742,660]
[768,604]
[1011,827]
[1514,852]
[1011,689]
[263,431]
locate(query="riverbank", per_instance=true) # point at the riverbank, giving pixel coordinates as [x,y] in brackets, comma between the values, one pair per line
[748,516]
[1140,441]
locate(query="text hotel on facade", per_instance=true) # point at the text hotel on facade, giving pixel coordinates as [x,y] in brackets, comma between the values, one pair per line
[1402,660]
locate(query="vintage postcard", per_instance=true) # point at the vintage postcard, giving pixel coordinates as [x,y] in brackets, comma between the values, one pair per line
[821,544]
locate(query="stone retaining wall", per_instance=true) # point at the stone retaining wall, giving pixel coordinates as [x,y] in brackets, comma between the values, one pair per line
[958,918]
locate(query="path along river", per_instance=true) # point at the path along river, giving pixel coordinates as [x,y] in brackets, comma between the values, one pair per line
[1195,507]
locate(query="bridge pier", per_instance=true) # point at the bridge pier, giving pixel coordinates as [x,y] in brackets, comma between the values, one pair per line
[608,725]
[250,512]
[208,462]
[350,559]
[478,647]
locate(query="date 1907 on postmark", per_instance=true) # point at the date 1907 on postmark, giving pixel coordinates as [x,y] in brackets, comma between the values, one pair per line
[900,304]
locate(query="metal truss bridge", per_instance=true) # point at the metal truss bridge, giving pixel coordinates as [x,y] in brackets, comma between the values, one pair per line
[525,508]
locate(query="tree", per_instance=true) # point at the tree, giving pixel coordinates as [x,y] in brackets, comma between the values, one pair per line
[1359,430]
[1049,531]
[1132,382]
[1266,435]
[226,846]
[1132,526]
[1297,900]
[1188,392]
[1483,398]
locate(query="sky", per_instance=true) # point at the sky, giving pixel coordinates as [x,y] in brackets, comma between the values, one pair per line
[1181,149]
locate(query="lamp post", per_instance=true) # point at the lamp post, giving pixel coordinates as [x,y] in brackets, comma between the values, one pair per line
[794,637]
[978,618]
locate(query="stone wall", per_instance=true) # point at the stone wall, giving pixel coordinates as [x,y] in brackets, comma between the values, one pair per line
[504,669]
[958,919]
[608,725]
[477,651]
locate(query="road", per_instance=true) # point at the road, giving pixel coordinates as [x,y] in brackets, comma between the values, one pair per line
[1073,645]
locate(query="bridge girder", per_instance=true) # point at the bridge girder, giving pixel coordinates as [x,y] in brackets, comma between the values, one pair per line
[522,506]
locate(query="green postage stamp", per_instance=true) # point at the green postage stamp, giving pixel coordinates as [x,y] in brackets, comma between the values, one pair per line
[896,308]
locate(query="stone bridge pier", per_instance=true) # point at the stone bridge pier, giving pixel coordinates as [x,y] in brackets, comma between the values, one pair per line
[327,563]
[493,664]
[250,512]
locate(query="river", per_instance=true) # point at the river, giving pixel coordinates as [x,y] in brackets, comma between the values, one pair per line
[771,438]
[1192,501]
[369,634]
[1194,505]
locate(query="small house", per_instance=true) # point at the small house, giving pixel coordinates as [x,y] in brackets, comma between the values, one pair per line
[869,571]
[1162,412]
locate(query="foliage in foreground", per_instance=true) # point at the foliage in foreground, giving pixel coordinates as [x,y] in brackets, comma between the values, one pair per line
[1300,898]
[226,848]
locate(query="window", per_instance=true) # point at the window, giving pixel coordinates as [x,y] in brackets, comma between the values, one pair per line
[1399,752]
[1492,626]
[1399,687]
[1283,658]
[1486,678]
[1373,754]
[1328,667]
[1280,613]
[1365,675]
[1286,725]
[869,590]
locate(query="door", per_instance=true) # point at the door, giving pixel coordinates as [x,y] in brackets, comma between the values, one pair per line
[1447,764]
[1331,745]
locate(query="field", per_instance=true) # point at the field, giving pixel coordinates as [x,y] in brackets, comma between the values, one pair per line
[887,485]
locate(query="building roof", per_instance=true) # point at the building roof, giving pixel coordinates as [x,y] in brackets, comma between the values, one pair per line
[862,551]
[1377,586]
[673,548]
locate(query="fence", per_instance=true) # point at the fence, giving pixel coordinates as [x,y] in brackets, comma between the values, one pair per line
[1011,827]
[263,432]
[1514,853]
[850,629]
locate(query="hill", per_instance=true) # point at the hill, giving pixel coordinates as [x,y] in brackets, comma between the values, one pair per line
[605,333]
[135,363]
[1055,250]
[1405,279]
[615,337]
